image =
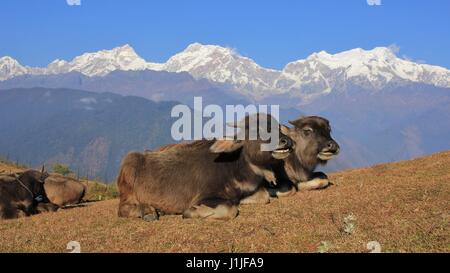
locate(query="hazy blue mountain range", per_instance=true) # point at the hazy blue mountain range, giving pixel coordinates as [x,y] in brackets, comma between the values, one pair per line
[90,132]
[392,124]
[153,85]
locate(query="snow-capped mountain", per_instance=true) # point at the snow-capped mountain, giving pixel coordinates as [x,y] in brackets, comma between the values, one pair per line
[223,65]
[102,62]
[318,74]
[90,64]
[10,68]
[373,69]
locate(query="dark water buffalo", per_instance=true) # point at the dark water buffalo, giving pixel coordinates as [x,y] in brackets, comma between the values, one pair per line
[62,190]
[201,179]
[313,146]
[21,194]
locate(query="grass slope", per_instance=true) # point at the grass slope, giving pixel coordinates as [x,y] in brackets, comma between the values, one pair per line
[404,206]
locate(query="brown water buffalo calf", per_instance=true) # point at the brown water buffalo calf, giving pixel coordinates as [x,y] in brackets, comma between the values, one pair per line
[20,195]
[62,190]
[201,179]
[313,146]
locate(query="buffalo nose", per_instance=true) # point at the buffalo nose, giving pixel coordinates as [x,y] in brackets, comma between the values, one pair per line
[332,146]
[285,142]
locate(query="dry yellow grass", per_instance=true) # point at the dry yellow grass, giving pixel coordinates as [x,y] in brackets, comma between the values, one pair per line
[9,168]
[404,206]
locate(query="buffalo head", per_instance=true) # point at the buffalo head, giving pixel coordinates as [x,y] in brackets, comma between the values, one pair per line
[313,145]
[250,140]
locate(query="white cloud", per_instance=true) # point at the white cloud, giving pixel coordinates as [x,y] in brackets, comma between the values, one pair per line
[73,2]
[394,48]
[88,100]
[374,2]
[419,61]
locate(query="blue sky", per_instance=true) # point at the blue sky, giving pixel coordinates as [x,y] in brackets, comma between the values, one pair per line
[270,32]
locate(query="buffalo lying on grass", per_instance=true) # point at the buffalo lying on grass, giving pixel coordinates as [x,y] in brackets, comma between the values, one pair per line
[21,194]
[313,146]
[59,190]
[202,179]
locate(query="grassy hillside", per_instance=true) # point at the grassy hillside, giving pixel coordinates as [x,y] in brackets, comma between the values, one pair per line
[404,206]
[7,167]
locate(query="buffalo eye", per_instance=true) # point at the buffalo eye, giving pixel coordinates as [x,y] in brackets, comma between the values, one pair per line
[307,131]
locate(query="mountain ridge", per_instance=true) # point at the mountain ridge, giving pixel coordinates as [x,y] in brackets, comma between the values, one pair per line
[318,74]
[88,131]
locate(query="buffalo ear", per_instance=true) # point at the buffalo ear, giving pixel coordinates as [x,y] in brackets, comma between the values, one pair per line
[297,122]
[294,122]
[285,130]
[43,169]
[226,146]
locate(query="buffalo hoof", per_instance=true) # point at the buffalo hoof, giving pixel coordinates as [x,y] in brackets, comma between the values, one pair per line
[150,217]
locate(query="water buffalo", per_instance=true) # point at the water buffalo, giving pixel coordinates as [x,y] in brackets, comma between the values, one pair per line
[201,179]
[62,190]
[21,194]
[313,146]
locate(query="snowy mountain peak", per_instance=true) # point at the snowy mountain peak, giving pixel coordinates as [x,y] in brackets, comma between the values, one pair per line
[354,55]
[125,50]
[8,59]
[102,62]
[322,72]
[198,47]
[125,47]
[197,55]
[223,65]
[10,67]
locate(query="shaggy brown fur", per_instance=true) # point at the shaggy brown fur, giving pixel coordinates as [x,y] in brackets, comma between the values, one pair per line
[311,136]
[20,196]
[203,178]
[62,190]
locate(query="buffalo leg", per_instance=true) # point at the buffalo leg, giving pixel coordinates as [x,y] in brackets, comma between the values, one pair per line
[259,197]
[283,190]
[217,209]
[26,210]
[319,181]
[129,210]
[148,213]
[46,207]
[8,212]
